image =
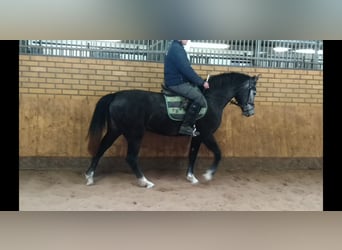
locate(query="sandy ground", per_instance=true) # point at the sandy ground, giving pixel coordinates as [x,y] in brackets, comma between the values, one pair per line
[245,189]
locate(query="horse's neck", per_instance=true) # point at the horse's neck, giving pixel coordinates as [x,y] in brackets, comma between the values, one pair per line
[217,99]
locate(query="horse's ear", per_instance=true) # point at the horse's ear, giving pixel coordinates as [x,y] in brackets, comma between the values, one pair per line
[257,77]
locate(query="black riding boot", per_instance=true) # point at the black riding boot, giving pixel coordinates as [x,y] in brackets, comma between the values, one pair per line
[187,127]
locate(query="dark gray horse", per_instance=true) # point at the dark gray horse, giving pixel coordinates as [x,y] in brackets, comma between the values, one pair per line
[132,112]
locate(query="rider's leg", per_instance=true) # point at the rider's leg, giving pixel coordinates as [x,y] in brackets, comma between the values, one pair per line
[197,101]
[187,127]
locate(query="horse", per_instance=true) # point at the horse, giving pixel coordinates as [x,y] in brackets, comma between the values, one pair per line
[133,112]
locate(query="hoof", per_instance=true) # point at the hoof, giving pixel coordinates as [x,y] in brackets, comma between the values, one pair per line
[192,179]
[150,185]
[90,179]
[143,182]
[208,176]
[90,182]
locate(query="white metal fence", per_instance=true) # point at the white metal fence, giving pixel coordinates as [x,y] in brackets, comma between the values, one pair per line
[291,54]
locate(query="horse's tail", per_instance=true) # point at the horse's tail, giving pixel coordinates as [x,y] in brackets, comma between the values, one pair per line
[98,123]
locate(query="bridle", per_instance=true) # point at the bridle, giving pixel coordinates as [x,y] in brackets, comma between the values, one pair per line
[248,106]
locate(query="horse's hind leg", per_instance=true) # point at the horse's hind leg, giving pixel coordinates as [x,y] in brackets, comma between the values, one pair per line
[132,159]
[106,142]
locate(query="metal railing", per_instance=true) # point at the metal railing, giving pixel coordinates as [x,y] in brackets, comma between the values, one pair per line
[290,54]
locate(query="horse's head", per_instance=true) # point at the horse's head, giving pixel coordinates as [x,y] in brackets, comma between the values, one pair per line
[245,96]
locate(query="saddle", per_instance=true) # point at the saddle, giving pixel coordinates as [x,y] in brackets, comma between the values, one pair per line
[177,105]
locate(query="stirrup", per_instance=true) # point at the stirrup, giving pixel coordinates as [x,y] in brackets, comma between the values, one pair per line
[195,132]
[192,133]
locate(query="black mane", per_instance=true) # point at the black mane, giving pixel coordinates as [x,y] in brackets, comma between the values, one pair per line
[237,77]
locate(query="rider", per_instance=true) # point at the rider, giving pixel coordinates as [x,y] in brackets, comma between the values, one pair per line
[181,78]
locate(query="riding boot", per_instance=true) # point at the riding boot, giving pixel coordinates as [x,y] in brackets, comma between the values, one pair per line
[187,127]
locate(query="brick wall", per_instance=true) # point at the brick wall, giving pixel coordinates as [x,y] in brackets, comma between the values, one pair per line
[57,97]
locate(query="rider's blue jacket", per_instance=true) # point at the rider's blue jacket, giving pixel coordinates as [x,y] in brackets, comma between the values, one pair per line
[177,67]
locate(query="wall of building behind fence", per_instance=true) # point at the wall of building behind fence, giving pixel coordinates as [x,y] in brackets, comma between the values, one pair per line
[57,96]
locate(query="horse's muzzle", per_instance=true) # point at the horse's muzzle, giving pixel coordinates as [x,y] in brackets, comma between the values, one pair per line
[249,113]
[248,110]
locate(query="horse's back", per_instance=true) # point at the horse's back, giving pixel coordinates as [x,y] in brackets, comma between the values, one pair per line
[136,104]
[138,110]
[137,98]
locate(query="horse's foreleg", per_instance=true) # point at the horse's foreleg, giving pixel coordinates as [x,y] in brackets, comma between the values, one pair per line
[132,160]
[212,145]
[193,152]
